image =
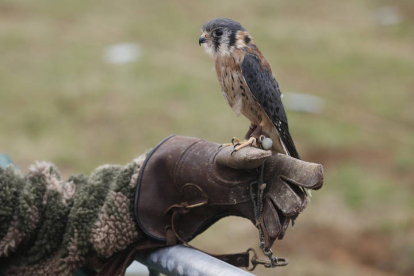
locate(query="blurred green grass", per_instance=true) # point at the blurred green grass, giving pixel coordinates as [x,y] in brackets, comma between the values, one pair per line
[59,101]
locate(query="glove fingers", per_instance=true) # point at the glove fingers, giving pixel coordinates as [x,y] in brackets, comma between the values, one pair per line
[303,197]
[285,198]
[271,226]
[296,172]
[271,220]
[274,222]
[314,185]
[284,228]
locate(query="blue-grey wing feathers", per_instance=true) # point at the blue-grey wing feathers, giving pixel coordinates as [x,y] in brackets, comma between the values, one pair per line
[266,92]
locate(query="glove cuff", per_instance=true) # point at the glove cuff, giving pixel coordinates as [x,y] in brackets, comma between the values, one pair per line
[181,173]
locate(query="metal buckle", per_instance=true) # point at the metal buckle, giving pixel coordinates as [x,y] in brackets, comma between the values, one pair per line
[270,263]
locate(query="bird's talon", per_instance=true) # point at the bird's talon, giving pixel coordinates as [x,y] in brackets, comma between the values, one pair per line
[235,139]
[231,154]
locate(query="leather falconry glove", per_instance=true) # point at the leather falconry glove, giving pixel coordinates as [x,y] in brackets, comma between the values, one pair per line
[186,184]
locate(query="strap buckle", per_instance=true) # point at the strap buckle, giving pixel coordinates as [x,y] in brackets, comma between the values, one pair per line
[270,263]
[257,198]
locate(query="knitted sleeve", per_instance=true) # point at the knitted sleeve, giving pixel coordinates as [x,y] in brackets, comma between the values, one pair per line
[49,226]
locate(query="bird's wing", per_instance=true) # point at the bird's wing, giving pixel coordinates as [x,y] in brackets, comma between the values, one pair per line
[265,91]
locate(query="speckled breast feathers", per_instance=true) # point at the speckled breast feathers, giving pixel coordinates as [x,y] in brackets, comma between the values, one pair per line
[246,80]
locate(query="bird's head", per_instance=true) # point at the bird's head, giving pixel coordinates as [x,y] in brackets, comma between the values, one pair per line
[221,36]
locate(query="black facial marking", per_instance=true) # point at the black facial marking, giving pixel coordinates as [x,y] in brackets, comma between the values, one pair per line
[232,39]
[216,45]
[247,39]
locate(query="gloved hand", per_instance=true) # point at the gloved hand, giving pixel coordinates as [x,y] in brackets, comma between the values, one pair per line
[286,193]
[187,184]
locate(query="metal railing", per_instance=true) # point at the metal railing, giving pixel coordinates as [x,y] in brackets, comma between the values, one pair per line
[180,260]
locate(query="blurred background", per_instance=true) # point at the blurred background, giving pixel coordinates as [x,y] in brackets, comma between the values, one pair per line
[83,83]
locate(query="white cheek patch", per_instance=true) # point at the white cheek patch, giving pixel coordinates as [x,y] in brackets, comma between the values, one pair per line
[223,49]
[209,49]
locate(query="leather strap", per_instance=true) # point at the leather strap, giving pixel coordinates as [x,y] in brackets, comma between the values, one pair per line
[118,264]
[236,259]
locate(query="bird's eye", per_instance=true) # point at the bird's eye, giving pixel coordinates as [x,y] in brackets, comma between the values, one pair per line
[218,32]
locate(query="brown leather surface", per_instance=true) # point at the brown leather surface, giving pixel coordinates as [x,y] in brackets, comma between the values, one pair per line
[168,181]
[185,171]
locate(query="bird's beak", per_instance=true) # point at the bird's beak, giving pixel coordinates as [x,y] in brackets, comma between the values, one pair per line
[202,40]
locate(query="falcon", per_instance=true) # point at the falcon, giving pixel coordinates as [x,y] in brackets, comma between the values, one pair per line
[247,84]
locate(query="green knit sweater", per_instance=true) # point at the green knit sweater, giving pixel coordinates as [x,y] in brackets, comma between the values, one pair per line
[49,226]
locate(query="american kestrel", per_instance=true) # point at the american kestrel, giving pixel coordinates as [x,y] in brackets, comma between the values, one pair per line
[247,83]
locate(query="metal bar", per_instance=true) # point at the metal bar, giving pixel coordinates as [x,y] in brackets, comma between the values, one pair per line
[180,260]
